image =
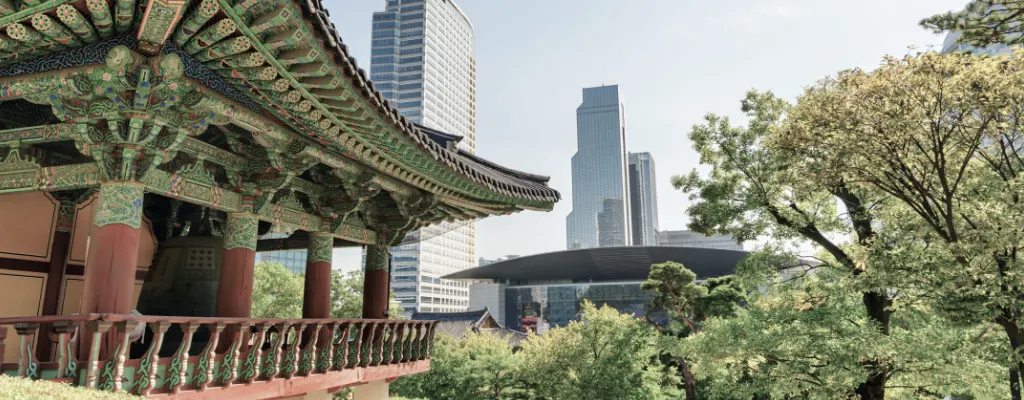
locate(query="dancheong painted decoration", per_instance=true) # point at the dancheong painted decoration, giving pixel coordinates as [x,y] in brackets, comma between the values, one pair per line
[147,147]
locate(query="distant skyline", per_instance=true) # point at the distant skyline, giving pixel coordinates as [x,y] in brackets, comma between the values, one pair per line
[674,62]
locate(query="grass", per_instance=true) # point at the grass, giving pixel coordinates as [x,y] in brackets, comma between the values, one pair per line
[25,389]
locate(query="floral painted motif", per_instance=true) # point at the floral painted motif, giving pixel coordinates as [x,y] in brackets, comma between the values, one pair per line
[377,258]
[241,232]
[321,248]
[120,203]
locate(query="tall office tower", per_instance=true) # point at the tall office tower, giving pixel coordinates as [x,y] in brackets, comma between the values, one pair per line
[422,62]
[598,167]
[611,230]
[643,199]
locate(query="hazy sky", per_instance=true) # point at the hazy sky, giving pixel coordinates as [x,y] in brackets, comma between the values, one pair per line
[674,62]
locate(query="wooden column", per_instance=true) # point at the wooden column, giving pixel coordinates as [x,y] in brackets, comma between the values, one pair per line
[234,290]
[54,279]
[113,249]
[113,255]
[316,299]
[375,284]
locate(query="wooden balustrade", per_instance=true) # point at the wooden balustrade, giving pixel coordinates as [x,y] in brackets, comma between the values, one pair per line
[180,354]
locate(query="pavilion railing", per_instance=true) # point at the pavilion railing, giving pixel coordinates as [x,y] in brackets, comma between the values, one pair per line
[175,354]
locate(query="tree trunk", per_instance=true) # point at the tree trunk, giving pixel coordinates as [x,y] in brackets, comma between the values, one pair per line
[1016,336]
[873,388]
[689,382]
[1014,384]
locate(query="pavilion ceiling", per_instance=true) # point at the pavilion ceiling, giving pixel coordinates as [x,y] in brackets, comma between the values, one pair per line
[239,105]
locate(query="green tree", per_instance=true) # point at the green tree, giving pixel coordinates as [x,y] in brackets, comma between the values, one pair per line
[805,338]
[276,292]
[347,296]
[477,367]
[983,22]
[938,138]
[753,192]
[607,355]
[688,304]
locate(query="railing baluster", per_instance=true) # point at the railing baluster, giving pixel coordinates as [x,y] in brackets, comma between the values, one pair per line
[28,365]
[67,367]
[389,333]
[146,374]
[359,345]
[229,364]
[308,359]
[203,373]
[409,337]
[341,352]
[3,346]
[272,362]
[397,342]
[431,328]
[323,361]
[97,330]
[251,368]
[178,369]
[113,370]
[415,345]
[291,355]
[370,344]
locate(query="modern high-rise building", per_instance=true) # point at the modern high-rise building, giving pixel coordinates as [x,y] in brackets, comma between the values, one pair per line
[611,230]
[422,61]
[695,239]
[643,199]
[598,167]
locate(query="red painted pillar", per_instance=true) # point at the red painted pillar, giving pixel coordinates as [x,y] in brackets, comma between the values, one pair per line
[234,290]
[316,299]
[54,280]
[375,283]
[113,254]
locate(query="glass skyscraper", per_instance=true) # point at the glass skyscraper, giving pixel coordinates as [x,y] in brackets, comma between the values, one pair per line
[422,61]
[598,167]
[643,198]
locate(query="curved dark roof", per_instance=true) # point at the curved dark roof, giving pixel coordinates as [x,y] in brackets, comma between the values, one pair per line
[523,186]
[606,264]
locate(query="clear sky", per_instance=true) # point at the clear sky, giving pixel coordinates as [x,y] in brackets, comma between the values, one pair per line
[674,62]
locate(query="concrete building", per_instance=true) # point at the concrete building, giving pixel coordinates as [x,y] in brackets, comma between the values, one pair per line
[544,291]
[422,61]
[694,239]
[643,196]
[598,167]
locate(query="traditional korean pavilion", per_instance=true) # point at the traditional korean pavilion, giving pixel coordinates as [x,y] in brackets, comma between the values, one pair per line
[145,148]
